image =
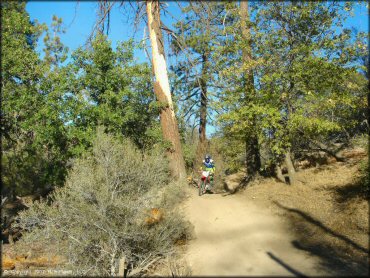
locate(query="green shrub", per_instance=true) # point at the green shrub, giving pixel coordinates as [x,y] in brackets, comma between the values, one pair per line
[189,151]
[102,212]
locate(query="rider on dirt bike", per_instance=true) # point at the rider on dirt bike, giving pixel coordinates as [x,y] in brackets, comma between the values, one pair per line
[209,166]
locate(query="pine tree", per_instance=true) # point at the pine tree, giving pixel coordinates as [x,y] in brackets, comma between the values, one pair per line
[196,38]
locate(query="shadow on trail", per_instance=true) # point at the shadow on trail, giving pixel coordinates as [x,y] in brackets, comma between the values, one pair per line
[335,259]
[323,227]
[351,191]
[286,266]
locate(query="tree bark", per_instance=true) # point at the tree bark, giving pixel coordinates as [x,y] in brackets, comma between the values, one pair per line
[253,160]
[162,91]
[279,173]
[202,143]
[290,168]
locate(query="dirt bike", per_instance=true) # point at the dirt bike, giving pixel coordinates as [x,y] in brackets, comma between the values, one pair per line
[204,183]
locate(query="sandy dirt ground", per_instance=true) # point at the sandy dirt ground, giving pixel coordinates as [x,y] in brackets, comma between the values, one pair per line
[234,237]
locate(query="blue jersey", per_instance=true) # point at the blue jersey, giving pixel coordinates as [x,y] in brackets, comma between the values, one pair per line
[209,164]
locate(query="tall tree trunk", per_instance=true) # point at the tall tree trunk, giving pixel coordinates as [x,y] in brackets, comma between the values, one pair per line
[290,168]
[202,143]
[162,91]
[253,160]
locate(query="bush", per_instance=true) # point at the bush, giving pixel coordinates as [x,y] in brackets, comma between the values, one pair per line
[189,151]
[104,211]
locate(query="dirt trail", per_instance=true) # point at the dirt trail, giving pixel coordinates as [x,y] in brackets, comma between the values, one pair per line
[234,236]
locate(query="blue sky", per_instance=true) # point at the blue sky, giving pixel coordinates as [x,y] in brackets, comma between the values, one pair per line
[79,18]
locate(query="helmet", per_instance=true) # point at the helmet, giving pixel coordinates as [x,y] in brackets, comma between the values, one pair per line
[207,158]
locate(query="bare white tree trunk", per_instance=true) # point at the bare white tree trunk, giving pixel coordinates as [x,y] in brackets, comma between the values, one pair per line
[162,91]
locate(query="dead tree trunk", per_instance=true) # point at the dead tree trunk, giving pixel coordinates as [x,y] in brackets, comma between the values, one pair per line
[253,160]
[162,91]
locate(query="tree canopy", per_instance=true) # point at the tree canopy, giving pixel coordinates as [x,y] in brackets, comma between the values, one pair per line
[308,88]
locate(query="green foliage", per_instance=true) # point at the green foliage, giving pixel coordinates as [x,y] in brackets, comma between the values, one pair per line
[102,212]
[195,73]
[20,69]
[33,135]
[107,87]
[50,108]
[55,51]
[308,77]
[189,147]
[230,152]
